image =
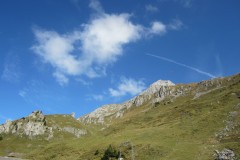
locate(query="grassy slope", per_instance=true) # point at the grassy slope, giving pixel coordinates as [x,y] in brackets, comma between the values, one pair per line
[184,129]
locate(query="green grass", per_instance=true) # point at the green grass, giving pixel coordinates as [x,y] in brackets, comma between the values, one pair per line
[181,130]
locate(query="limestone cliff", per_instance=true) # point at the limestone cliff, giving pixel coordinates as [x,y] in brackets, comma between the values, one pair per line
[48,127]
[31,126]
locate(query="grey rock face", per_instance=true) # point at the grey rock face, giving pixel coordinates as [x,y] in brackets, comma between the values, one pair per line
[31,126]
[231,123]
[98,115]
[225,154]
[159,89]
[73,114]
[77,132]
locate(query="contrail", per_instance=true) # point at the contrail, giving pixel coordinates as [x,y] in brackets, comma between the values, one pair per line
[183,65]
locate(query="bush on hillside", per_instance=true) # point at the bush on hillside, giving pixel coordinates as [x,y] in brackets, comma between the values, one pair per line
[1,137]
[110,153]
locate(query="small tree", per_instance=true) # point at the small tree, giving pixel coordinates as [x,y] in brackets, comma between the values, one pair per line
[1,137]
[96,152]
[110,153]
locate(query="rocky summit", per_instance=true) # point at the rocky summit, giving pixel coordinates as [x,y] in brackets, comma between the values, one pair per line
[38,125]
[31,126]
[166,121]
[158,90]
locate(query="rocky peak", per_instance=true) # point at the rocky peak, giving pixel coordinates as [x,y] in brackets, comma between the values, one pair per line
[37,115]
[31,126]
[156,86]
[162,83]
[37,124]
[161,87]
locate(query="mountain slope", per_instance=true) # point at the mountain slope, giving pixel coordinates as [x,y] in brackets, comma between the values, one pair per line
[183,121]
[162,88]
[37,130]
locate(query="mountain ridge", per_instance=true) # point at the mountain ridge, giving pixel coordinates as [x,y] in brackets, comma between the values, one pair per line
[183,121]
[157,91]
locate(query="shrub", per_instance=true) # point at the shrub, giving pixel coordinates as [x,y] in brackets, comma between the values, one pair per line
[96,152]
[1,137]
[110,153]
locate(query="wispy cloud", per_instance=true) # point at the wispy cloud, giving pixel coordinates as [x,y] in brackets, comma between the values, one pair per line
[97,97]
[186,3]
[219,65]
[37,93]
[96,6]
[89,50]
[183,3]
[151,8]
[183,65]
[11,70]
[22,93]
[84,82]
[127,86]
[175,24]
[158,28]
[61,78]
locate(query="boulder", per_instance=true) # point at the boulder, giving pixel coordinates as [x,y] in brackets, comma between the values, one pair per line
[225,154]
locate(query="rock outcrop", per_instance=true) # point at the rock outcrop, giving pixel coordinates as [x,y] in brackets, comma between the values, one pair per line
[31,126]
[75,131]
[37,124]
[231,124]
[225,154]
[157,91]
[72,130]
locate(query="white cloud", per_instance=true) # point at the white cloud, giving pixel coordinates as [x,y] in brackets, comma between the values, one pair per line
[89,50]
[127,86]
[158,28]
[55,49]
[104,37]
[151,8]
[101,40]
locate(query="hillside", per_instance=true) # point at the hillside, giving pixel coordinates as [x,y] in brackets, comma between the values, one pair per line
[166,121]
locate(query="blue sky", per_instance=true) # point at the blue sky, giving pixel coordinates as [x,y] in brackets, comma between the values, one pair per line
[63,56]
